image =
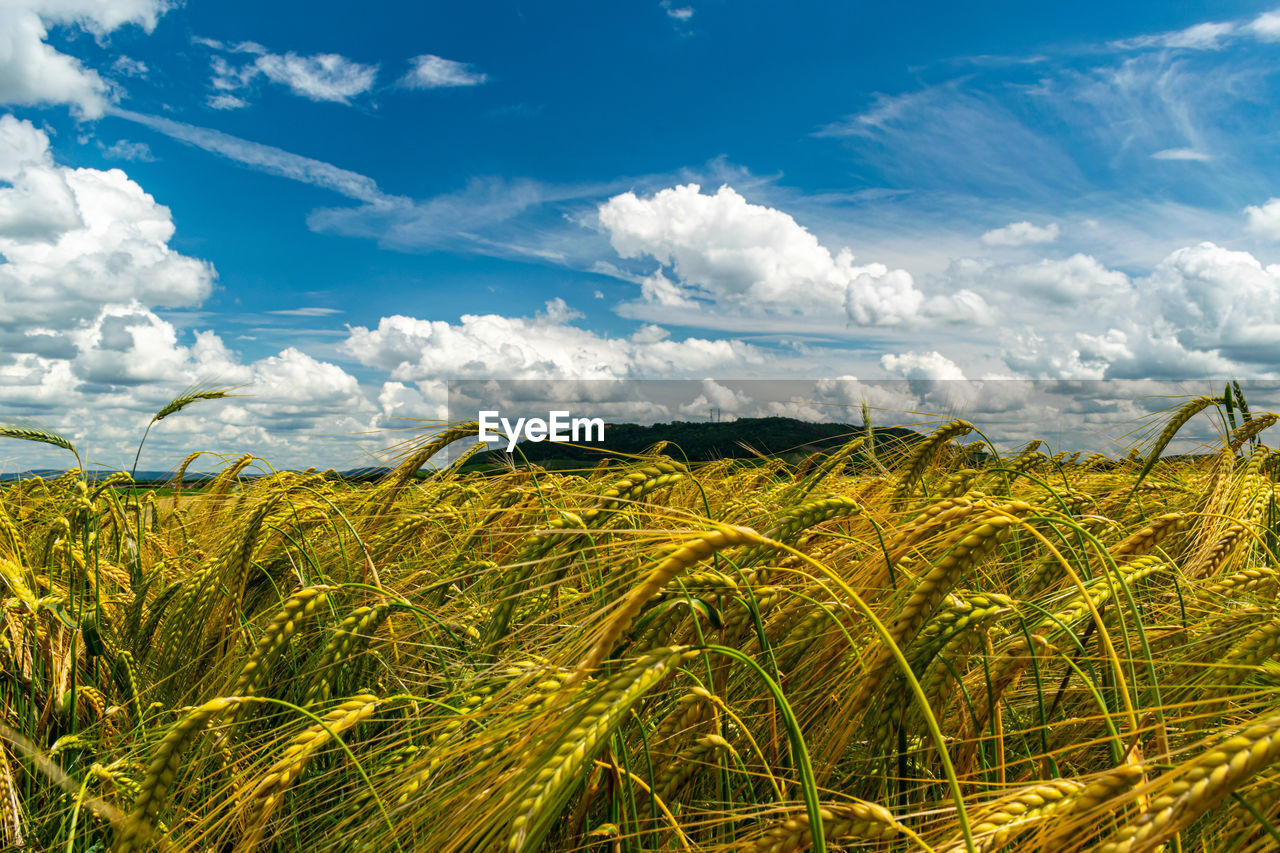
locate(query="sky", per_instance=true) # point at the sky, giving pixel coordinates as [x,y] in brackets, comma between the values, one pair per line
[337,209]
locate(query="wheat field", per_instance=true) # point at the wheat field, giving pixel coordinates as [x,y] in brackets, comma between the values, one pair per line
[932,649]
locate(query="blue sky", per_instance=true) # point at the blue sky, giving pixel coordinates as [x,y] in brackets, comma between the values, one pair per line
[339,208]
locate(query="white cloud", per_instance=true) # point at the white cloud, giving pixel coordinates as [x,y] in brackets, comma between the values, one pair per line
[478,217]
[680,13]
[1264,220]
[1266,27]
[546,345]
[1205,36]
[323,77]
[86,260]
[34,73]
[130,345]
[955,137]
[1079,279]
[319,77]
[290,407]
[225,101]
[746,259]
[728,403]
[78,239]
[1220,299]
[304,383]
[306,312]
[1021,234]
[1202,311]
[130,67]
[961,307]
[921,365]
[398,400]
[123,149]
[37,205]
[1209,35]
[435,72]
[265,158]
[1000,137]
[1182,154]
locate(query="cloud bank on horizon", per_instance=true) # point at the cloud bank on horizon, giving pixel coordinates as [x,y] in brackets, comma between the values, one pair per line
[339,216]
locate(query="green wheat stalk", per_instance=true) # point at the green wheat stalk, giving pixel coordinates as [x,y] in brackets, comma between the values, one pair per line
[193,394]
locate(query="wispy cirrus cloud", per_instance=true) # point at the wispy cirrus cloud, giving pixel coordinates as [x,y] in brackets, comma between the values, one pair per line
[1076,127]
[1182,154]
[266,158]
[1211,35]
[1207,35]
[484,217]
[960,136]
[306,312]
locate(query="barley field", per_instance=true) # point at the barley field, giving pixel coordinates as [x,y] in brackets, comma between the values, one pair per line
[926,649]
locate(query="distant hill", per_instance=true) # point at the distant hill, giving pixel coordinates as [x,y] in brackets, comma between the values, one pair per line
[696,441]
[745,438]
[94,475]
[191,479]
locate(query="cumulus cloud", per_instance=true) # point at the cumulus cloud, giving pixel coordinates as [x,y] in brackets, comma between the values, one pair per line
[921,365]
[34,73]
[934,380]
[425,400]
[1072,281]
[960,307]
[86,261]
[298,380]
[723,402]
[131,345]
[545,345]
[1202,311]
[748,259]
[429,71]
[1264,220]
[127,361]
[1216,298]
[37,205]
[1021,234]
[77,239]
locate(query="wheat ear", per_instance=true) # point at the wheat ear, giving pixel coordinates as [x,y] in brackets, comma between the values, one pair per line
[160,773]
